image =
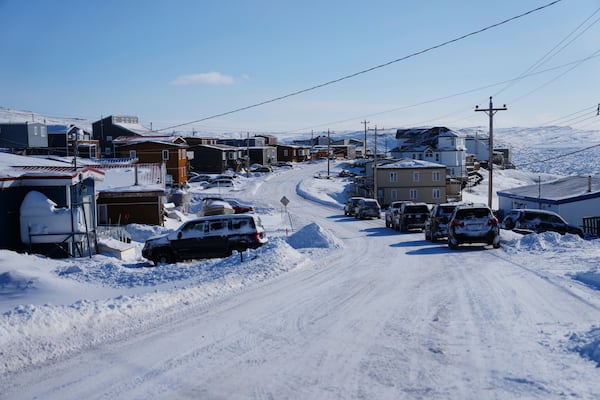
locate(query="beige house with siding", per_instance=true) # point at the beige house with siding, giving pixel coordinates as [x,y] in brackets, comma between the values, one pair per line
[408,179]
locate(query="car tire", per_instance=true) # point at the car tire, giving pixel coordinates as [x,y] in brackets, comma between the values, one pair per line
[162,257]
[452,244]
[509,224]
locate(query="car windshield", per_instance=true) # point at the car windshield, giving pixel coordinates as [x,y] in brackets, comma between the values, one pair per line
[473,213]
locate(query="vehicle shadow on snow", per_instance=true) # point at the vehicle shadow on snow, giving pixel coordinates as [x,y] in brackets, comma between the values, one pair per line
[443,248]
[378,231]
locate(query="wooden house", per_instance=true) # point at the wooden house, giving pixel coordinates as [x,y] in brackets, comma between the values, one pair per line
[171,151]
[20,137]
[293,153]
[407,179]
[216,158]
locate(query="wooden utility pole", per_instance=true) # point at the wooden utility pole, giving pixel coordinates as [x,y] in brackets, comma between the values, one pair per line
[490,111]
[365,122]
[375,188]
[328,152]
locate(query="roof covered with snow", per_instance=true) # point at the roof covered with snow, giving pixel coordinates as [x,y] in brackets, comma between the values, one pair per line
[409,163]
[564,190]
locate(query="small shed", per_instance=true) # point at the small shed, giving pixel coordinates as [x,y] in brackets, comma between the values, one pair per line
[141,204]
[23,135]
[573,197]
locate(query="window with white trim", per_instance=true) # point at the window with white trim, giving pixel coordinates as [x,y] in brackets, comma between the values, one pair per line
[132,154]
[165,155]
[412,194]
[435,176]
[393,177]
[416,176]
[394,194]
[436,194]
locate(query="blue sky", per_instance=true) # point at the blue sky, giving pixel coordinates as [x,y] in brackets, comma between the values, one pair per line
[172,62]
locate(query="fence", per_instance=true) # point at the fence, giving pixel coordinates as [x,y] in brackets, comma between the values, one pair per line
[591,226]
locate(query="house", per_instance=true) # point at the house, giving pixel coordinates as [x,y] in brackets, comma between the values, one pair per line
[573,197]
[215,158]
[407,179]
[256,141]
[438,145]
[347,151]
[47,207]
[168,150]
[23,136]
[107,129]
[293,153]
[263,155]
[64,140]
[270,140]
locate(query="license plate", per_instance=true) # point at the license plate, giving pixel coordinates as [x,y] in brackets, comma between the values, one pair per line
[474,227]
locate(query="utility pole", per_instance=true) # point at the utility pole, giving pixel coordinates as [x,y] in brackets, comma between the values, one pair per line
[247,154]
[328,152]
[365,122]
[375,188]
[490,112]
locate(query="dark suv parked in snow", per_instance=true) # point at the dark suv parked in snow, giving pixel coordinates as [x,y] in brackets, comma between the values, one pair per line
[473,223]
[410,216]
[538,221]
[206,237]
[436,225]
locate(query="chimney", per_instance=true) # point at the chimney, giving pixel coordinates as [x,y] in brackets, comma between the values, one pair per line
[589,183]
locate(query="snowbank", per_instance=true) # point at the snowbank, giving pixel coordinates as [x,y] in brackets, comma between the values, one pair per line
[313,236]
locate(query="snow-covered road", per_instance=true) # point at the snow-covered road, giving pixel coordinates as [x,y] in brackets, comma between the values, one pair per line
[384,316]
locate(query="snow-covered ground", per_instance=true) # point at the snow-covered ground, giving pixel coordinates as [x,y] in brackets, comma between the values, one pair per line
[331,307]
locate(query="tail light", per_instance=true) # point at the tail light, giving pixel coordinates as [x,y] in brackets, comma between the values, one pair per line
[456,222]
[493,221]
[257,236]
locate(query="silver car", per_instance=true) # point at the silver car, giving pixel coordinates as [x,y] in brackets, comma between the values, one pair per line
[473,223]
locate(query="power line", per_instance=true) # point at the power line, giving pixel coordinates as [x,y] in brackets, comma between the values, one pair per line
[353,75]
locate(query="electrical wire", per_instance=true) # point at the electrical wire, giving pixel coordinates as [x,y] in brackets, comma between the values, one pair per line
[353,75]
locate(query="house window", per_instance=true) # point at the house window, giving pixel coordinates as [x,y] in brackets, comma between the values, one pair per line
[416,177]
[437,194]
[414,156]
[412,194]
[437,157]
[435,176]
[165,155]
[232,155]
[107,151]
[132,154]
[393,177]
[428,154]
[394,194]
[285,153]
[109,138]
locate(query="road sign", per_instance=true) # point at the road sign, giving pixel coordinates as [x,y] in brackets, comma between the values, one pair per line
[284,200]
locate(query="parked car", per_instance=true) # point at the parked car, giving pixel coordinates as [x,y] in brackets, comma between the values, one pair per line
[436,224]
[260,168]
[238,207]
[410,216]
[367,208]
[350,205]
[215,206]
[473,223]
[282,164]
[206,237]
[391,211]
[538,221]
[221,182]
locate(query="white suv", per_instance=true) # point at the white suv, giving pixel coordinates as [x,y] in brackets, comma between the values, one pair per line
[473,223]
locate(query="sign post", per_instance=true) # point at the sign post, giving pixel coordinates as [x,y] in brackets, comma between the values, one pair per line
[285,201]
